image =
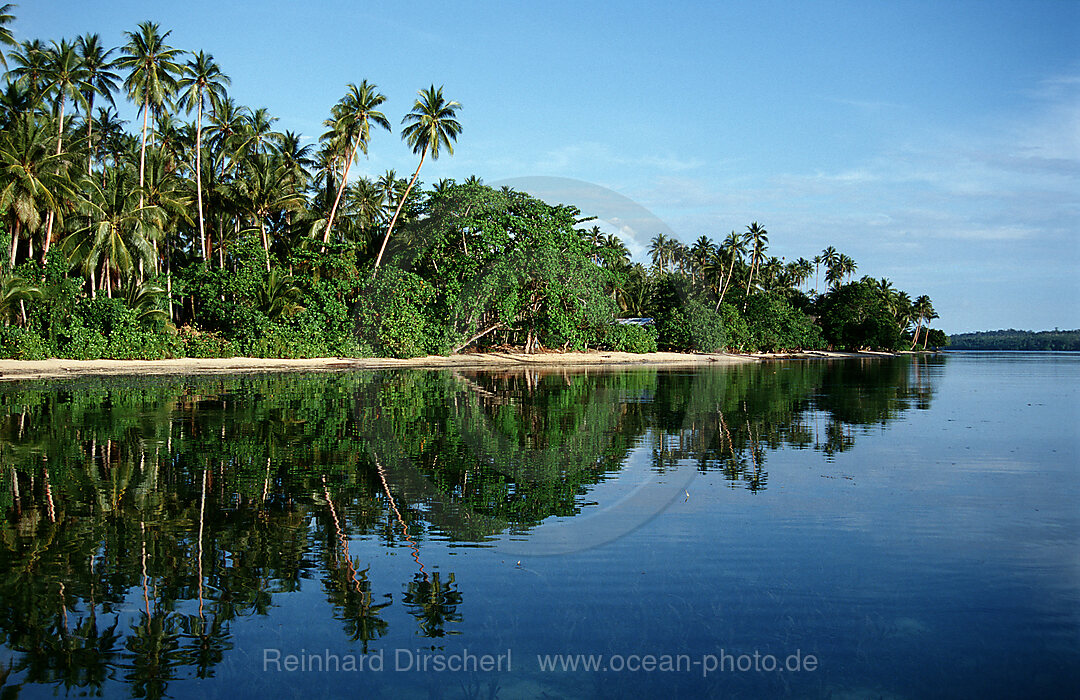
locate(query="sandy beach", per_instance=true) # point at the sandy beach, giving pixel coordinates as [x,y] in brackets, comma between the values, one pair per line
[41,369]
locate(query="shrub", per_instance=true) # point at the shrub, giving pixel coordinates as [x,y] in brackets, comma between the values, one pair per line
[628,338]
[692,327]
[17,343]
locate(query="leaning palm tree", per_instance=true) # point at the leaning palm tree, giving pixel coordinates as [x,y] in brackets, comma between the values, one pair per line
[431,125]
[98,79]
[736,249]
[923,310]
[204,78]
[353,116]
[153,69]
[6,18]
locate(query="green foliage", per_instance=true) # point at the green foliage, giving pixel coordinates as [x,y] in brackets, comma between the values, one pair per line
[198,343]
[393,314]
[1012,340]
[854,316]
[18,343]
[774,325]
[936,338]
[735,328]
[691,327]
[628,338]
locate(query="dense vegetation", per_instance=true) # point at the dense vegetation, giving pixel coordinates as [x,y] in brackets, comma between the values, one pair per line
[1016,340]
[204,232]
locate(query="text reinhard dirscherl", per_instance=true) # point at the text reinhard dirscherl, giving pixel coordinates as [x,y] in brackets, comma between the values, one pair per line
[429,661]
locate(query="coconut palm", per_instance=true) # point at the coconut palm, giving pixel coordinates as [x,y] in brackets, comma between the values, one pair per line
[33,177]
[266,188]
[204,78]
[153,69]
[31,68]
[6,18]
[14,293]
[350,127]
[923,310]
[98,79]
[659,251]
[735,246]
[118,238]
[431,126]
[758,239]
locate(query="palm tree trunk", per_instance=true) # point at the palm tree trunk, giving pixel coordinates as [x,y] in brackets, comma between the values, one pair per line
[405,196]
[203,243]
[15,240]
[265,242]
[727,282]
[142,151]
[90,135]
[337,199]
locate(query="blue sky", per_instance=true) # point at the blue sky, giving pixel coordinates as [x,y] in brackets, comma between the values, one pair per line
[936,143]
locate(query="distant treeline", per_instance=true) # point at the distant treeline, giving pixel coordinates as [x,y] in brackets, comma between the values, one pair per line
[1016,340]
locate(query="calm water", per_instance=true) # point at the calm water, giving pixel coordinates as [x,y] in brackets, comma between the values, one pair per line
[897,529]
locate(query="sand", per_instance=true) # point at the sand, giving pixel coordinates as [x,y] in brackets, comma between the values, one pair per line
[40,369]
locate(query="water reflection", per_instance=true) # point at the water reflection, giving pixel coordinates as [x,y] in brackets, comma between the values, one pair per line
[145,518]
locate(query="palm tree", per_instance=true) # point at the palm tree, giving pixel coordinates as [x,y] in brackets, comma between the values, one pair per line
[203,78]
[66,78]
[152,73]
[267,188]
[14,293]
[31,68]
[5,33]
[923,309]
[846,265]
[118,237]
[758,238]
[735,246]
[33,177]
[431,125]
[659,250]
[353,116]
[98,79]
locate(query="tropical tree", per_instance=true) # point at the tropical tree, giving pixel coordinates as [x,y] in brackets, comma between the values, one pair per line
[65,78]
[153,69]
[118,238]
[267,188]
[923,310]
[431,126]
[735,246]
[6,18]
[33,177]
[98,79]
[758,239]
[203,78]
[350,127]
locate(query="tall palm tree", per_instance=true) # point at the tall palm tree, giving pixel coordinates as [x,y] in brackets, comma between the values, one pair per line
[6,18]
[846,265]
[431,126]
[204,78]
[659,250]
[31,68]
[98,79]
[66,78]
[735,246]
[923,309]
[153,69]
[758,239]
[33,177]
[350,126]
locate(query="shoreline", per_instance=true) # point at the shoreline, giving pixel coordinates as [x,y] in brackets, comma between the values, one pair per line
[14,370]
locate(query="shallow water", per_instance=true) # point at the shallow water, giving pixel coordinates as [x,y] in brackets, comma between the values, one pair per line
[879,528]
